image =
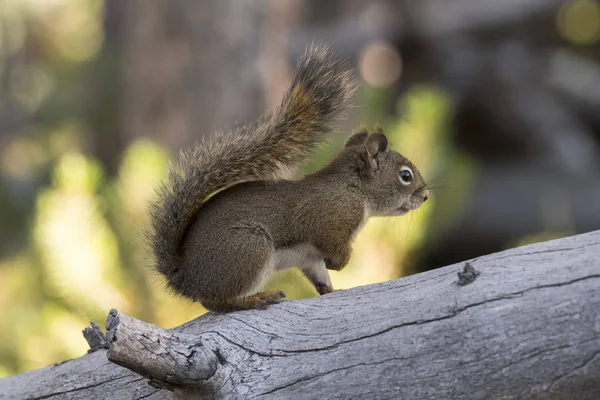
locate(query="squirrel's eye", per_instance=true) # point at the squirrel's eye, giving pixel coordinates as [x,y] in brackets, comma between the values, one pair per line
[406,175]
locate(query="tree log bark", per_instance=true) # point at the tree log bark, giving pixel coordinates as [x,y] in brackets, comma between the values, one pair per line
[522,324]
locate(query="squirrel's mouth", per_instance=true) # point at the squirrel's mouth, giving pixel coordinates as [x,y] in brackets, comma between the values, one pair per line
[410,205]
[404,209]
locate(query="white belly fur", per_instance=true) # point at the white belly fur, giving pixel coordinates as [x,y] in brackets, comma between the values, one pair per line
[303,255]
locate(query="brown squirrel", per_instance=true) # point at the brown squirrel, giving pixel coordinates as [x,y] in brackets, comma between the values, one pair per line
[228,216]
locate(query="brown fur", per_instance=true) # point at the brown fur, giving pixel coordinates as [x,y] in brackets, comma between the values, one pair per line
[225,219]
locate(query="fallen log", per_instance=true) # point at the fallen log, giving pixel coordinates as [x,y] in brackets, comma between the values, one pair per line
[520,324]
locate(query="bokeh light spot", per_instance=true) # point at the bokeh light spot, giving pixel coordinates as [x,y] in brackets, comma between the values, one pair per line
[380,64]
[579,21]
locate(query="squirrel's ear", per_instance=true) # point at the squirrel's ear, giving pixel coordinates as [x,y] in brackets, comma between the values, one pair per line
[376,143]
[358,138]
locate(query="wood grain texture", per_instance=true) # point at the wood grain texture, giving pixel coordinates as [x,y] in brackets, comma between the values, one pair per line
[527,327]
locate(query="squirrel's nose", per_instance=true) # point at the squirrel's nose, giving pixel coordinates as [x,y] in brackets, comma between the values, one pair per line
[425,195]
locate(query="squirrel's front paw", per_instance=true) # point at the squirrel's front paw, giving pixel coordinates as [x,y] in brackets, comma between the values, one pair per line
[323,288]
[333,265]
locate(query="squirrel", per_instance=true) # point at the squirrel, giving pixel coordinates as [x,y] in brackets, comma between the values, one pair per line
[229,214]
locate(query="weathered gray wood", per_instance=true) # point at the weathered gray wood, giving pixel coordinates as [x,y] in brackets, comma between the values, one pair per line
[95,337]
[163,356]
[527,327]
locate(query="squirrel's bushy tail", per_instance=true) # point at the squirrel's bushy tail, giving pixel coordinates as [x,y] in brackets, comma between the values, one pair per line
[321,89]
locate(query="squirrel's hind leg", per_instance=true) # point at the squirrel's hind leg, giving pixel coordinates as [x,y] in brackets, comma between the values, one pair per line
[238,272]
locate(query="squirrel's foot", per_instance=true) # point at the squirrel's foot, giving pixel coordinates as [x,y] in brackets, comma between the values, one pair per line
[262,300]
[323,288]
[257,301]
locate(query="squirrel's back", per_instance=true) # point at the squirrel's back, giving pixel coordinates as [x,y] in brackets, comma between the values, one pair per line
[321,89]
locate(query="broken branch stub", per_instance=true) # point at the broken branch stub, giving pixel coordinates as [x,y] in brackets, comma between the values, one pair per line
[158,354]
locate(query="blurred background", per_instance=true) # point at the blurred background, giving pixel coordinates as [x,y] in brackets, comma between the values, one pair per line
[497,102]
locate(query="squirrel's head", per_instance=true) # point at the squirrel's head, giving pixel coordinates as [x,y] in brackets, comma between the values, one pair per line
[392,184]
